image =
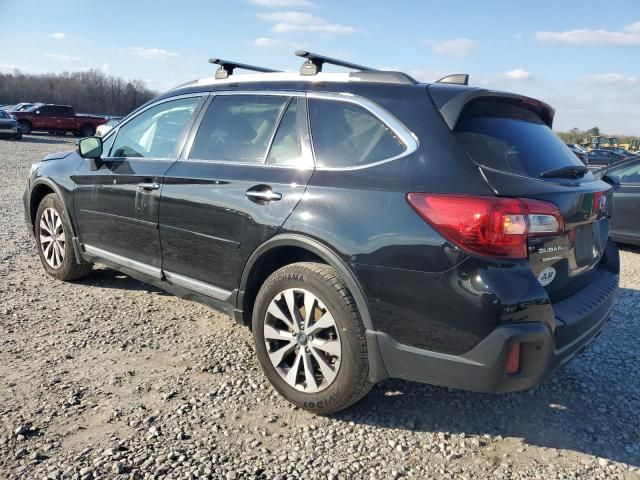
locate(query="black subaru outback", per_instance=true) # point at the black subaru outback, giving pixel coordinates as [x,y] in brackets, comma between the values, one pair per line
[362,224]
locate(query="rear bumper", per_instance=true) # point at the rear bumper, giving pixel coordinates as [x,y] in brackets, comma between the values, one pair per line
[543,349]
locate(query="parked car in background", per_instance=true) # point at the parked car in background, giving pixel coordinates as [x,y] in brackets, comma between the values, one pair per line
[103,129]
[602,157]
[625,219]
[621,151]
[579,151]
[57,118]
[365,225]
[21,107]
[9,126]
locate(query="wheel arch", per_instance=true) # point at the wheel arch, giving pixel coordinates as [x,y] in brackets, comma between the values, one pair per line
[319,251]
[316,250]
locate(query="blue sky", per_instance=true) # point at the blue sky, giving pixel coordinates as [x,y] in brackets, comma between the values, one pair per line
[582,57]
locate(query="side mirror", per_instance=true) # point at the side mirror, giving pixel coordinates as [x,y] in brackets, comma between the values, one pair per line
[90,147]
[37,112]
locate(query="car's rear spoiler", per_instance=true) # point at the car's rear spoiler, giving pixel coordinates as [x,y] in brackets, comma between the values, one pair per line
[451,100]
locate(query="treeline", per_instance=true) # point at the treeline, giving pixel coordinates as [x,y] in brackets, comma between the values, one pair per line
[90,91]
[575,135]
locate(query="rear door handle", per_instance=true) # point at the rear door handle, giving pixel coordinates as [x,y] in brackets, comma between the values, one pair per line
[264,194]
[149,185]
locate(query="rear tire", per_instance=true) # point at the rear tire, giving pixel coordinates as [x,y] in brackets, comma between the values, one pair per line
[54,241]
[318,360]
[18,136]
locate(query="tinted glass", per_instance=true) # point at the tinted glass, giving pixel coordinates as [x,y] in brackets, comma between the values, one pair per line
[347,135]
[626,174]
[238,128]
[156,132]
[286,148]
[4,114]
[511,138]
[45,110]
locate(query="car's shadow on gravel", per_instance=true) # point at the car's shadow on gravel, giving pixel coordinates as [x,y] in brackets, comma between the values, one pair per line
[107,278]
[590,406]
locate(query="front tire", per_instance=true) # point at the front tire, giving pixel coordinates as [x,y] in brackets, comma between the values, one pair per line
[53,238]
[310,339]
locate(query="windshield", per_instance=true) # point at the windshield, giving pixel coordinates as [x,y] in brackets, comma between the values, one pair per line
[509,137]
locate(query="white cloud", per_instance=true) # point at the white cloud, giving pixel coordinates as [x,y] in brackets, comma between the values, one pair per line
[303,22]
[455,47]
[265,42]
[629,35]
[517,74]
[58,35]
[282,3]
[613,79]
[62,58]
[152,53]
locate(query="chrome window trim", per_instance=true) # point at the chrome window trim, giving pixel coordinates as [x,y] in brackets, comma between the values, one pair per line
[404,134]
[147,269]
[198,286]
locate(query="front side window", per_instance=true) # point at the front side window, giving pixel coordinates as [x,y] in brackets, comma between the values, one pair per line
[347,135]
[238,128]
[156,132]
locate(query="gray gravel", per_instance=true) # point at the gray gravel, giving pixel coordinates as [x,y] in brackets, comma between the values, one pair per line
[109,378]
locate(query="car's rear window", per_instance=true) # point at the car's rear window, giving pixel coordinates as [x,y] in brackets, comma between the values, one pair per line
[509,137]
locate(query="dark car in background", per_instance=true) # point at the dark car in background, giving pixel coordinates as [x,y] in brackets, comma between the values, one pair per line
[579,151]
[9,126]
[57,119]
[625,220]
[364,225]
[602,157]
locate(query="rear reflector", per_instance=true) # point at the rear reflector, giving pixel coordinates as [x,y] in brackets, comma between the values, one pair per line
[513,362]
[488,226]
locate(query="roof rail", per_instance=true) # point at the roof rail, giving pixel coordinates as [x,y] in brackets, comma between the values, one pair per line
[314,63]
[455,79]
[227,67]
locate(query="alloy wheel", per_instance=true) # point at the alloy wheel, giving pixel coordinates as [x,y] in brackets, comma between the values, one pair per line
[52,237]
[302,340]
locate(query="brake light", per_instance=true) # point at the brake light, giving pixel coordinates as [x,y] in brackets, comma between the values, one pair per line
[488,226]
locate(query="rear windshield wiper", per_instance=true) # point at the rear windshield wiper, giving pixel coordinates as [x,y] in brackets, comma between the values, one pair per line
[572,171]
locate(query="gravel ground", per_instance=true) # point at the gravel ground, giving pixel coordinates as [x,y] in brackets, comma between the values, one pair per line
[109,378]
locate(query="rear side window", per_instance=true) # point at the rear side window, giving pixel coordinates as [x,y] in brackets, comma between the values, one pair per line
[286,148]
[626,174]
[511,138]
[238,128]
[347,135]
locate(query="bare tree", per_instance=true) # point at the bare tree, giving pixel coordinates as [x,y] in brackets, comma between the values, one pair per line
[90,91]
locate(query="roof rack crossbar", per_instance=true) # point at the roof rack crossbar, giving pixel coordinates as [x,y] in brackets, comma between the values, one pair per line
[314,63]
[455,79]
[227,67]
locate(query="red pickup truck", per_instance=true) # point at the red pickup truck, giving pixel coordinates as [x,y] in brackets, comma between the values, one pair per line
[57,118]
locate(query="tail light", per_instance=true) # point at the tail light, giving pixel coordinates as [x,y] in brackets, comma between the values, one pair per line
[488,226]
[513,360]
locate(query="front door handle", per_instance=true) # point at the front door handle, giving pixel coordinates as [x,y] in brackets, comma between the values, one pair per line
[263,194]
[149,185]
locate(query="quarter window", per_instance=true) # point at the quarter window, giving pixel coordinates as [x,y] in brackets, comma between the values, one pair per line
[626,174]
[238,128]
[156,132]
[346,135]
